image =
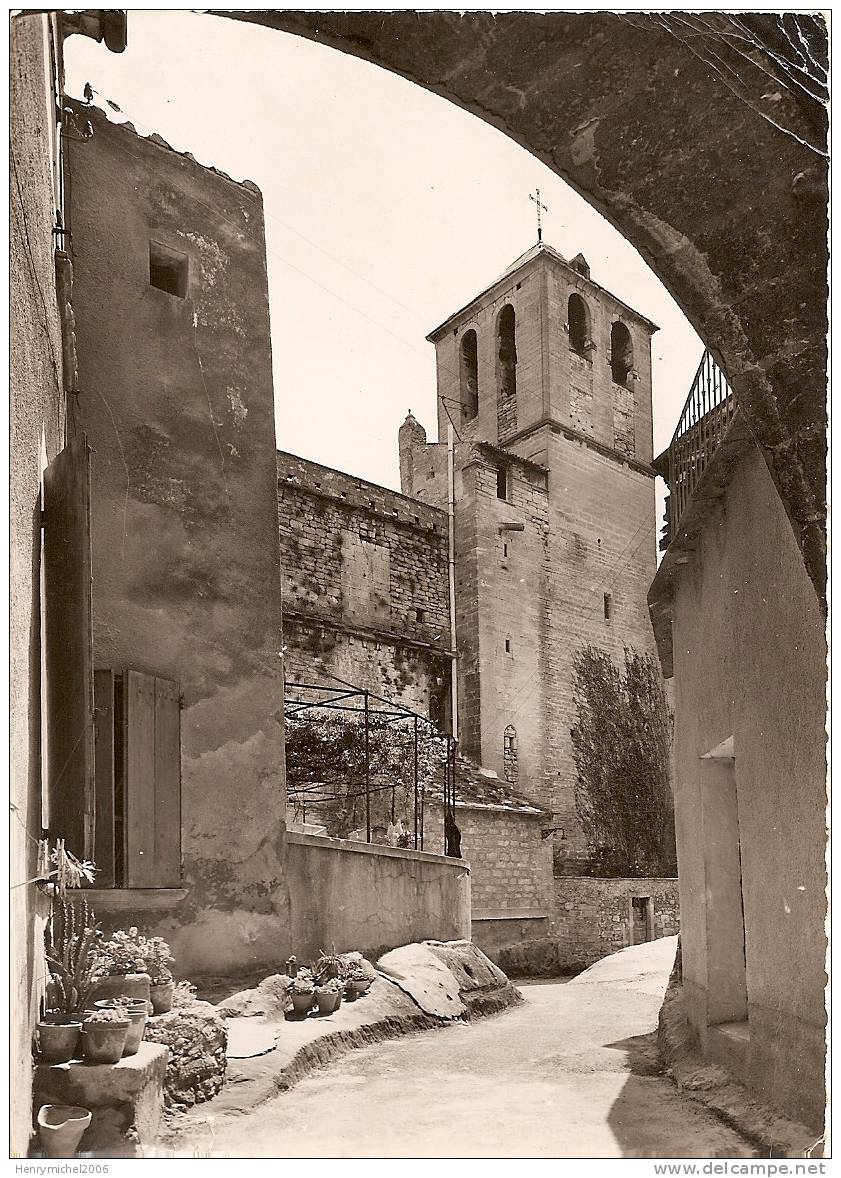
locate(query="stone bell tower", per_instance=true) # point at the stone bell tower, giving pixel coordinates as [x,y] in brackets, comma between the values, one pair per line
[546,377]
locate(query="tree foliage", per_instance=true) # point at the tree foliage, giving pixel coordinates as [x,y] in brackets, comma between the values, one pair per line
[621,743]
[325,768]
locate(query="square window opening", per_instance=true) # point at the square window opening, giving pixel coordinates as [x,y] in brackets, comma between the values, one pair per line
[168,270]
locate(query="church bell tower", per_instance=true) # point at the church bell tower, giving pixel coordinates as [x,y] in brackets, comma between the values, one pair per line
[546,379]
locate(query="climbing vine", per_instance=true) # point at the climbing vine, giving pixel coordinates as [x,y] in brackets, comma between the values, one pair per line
[621,743]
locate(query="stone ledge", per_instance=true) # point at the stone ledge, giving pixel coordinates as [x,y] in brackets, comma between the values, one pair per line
[317,840]
[134,899]
[126,1099]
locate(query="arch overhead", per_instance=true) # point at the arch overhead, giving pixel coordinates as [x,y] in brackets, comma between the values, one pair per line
[578,324]
[469,374]
[702,138]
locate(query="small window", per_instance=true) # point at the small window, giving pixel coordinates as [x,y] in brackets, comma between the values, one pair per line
[505,550]
[420,615]
[508,646]
[502,482]
[168,270]
[608,606]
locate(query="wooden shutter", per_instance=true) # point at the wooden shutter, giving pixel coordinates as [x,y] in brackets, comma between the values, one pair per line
[69,647]
[152,781]
[105,845]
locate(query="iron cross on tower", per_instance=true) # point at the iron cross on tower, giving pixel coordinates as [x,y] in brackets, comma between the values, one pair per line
[535,196]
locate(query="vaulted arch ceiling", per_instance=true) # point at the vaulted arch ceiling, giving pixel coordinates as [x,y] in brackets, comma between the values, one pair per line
[702,139]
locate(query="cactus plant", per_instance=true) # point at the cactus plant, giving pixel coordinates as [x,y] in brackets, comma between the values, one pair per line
[69,938]
[328,966]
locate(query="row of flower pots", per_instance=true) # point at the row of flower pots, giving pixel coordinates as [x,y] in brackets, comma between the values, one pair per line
[112,1030]
[326,998]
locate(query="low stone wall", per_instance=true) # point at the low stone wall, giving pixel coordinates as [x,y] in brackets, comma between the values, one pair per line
[594,917]
[588,919]
[346,895]
[196,1036]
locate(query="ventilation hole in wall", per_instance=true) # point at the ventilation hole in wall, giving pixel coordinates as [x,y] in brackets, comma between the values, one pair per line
[344,494]
[508,646]
[608,606]
[504,549]
[168,270]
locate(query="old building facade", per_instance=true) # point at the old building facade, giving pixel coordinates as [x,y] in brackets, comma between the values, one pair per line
[741,635]
[544,380]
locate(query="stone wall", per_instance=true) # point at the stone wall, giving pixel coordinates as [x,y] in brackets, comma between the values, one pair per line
[510,864]
[356,896]
[584,920]
[365,586]
[593,917]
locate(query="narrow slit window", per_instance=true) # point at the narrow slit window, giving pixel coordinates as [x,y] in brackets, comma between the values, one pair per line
[508,646]
[420,615]
[501,482]
[608,606]
[168,270]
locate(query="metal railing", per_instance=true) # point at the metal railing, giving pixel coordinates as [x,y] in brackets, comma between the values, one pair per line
[707,413]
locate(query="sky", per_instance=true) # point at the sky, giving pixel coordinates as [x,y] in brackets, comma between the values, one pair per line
[387,208]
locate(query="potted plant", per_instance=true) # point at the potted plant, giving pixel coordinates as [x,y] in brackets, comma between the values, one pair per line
[60,1128]
[136,1010]
[357,979]
[104,1034]
[68,941]
[328,995]
[159,962]
[301,992]
[121,965]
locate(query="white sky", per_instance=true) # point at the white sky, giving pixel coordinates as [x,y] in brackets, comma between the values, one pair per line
[387,208]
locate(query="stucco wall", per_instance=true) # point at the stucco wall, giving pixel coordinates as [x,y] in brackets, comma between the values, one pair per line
[749,662]
[346,896]
[36,405]
[178,405]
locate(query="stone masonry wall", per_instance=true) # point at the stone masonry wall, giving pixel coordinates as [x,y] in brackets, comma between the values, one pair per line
[365,586]
[510,864]
[592,917]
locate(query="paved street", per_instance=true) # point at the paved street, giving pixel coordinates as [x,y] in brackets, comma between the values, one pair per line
[569,1073]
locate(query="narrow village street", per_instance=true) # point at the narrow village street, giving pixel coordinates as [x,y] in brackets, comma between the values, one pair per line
[571,1072]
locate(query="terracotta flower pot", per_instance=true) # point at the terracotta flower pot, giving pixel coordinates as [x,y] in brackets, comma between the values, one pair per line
[328,1000]
[302,1003]
[104,1042]
[60,1128]
[58,1042]
[361,986]
[161,995]
[134,1035]
[130,985]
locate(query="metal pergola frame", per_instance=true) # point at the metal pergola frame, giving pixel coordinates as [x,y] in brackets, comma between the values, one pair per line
[348,697]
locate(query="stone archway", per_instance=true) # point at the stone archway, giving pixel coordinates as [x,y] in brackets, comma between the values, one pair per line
[702,139]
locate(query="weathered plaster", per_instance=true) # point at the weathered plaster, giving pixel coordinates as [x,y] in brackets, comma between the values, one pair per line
[35,348]
[177,401]
[749,663]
